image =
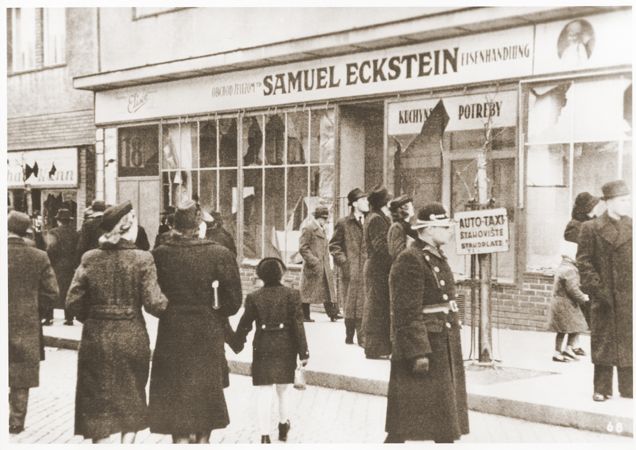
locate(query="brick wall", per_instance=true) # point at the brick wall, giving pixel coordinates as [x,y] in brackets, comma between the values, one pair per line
[513,308]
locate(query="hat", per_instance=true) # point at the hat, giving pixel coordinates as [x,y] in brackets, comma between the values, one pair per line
[379,197]
[432,215]
[63,214]
[18,222]
[185,217]
[585,202]
[399,201]
[98,206]
[354,195]
[270,270]
[613,189]
[321,212]
[113,215]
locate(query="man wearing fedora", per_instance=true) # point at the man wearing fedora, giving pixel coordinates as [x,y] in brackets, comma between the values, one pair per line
[604,259]
[32,292]
[349,254]
[61,248]
[316,282]
[427,387]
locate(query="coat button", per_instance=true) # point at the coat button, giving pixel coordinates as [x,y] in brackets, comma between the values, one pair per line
[445,297]
[442,283]
[280,325]
[436,269]
[448,325]
[428,258]
[262,327]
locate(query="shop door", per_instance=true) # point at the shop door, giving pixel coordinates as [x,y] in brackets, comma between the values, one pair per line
[501,173]
[144,193]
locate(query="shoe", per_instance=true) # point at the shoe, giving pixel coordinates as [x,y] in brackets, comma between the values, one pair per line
[47,323]
[265,439]
[283,429]
[379,357]
[579,351]
[16,429]
[69,323]
[599,397]
[558,357]
[349,341]
[308,320]
[630,395]
[569,353]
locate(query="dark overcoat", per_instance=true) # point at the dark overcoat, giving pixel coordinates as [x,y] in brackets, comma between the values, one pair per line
[186,383]
[376,316]
[107,293]
[62,246]
[400,234]
[32,293]
[89,234]
[349,255]
[432,406]
[604,259]
[279,336]
[316,282]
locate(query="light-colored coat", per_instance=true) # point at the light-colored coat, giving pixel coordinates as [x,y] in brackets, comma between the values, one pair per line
[316,284]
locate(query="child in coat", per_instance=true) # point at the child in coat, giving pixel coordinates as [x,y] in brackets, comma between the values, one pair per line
[279,339]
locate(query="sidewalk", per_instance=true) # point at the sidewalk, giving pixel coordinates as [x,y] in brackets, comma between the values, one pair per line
[526,384]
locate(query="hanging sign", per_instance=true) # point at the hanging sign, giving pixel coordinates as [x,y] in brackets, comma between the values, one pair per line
[482,231]
[54,168]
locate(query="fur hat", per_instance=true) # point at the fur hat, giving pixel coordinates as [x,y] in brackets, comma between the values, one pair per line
[270,270]
[379,197]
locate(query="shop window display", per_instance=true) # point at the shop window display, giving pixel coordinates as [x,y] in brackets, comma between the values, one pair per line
[571,147]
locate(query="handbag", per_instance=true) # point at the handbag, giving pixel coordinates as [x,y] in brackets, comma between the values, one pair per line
[299,377]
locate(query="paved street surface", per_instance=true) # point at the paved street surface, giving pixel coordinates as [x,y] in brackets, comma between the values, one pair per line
[318,415]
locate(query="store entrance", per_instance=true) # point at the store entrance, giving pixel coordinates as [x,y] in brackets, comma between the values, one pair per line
[144,193]
[361,147]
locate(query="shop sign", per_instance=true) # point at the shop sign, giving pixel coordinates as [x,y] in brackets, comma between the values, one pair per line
[602,40]
[54,168]
[482,231]
[468,112]
[493,56]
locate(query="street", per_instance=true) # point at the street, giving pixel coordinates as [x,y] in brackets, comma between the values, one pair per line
[318,415]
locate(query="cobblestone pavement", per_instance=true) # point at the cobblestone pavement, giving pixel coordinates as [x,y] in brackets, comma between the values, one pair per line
[318,415]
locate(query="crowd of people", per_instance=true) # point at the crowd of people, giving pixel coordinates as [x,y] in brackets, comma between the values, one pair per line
[398,302]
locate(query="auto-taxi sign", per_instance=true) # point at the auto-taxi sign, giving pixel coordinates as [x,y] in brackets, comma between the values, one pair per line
[482,231]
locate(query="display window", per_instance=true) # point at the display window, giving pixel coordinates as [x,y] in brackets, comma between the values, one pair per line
[578,138]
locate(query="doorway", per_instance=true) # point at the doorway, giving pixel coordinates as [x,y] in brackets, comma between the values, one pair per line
[144,194]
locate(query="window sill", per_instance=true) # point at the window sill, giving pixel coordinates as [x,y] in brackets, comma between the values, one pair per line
[39,69]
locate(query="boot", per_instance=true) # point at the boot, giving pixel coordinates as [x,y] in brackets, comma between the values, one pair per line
[306,313]
[350,329]
[283,429]
[265,439]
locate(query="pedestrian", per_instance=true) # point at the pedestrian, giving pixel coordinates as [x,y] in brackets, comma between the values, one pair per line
[316,284]
[400,232]
[215,232]
[142,242]
[279,339]
[202,283]
[376,321]
[604,259]
[107,293]
[61,248]
[427,388]
[566,316]
[32,292]
[166,225]
[90,232]
[585,208]
[349,254]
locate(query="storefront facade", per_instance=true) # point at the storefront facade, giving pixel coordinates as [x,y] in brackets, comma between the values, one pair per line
[265,146]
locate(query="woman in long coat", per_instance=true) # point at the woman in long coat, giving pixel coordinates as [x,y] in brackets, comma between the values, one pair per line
[279,339]
[427,387]
[107,293]
[400,231]
[316,284]
[186,383]
[376,321]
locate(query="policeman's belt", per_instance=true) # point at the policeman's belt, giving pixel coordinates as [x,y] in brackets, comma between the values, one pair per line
[272,327]
[441,307]
[112,312]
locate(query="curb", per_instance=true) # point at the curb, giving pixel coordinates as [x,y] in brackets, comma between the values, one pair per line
[530,412]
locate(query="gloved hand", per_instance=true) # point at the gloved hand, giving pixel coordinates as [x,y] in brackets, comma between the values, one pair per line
[420,366]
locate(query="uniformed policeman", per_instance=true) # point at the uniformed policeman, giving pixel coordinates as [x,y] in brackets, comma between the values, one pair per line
[427,387]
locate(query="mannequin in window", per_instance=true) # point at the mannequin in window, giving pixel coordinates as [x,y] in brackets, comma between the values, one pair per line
[254,144]
[274,140]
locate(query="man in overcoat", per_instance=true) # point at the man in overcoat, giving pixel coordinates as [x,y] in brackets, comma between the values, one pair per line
[604,259]
[427,388]
[90,232]
[32,292]
[201,280]
[61,248]
[316,283]
[349,254]
[376,321]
